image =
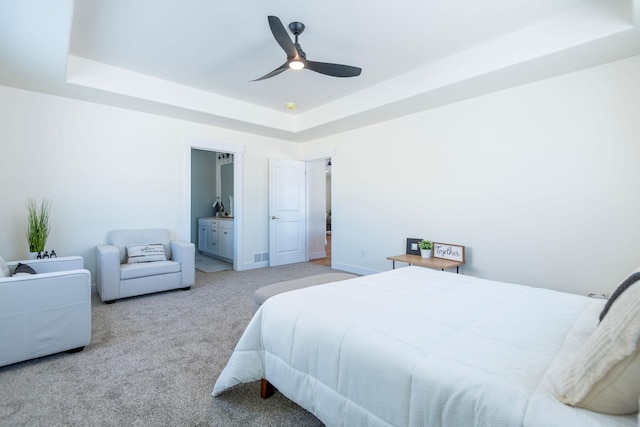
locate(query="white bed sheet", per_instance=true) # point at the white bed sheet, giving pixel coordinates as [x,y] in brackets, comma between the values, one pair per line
[420,347]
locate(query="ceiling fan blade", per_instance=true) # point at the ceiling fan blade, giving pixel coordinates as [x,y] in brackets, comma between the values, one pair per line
[281,36]
[275,72]
[334,70]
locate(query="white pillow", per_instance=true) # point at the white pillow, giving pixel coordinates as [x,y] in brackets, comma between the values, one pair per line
[605,377]
[145,252]
[4,268]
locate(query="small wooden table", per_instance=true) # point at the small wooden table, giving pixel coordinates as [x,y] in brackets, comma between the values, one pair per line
[426,262]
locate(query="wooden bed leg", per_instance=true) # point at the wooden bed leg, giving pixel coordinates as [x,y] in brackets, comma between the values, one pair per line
[266,389]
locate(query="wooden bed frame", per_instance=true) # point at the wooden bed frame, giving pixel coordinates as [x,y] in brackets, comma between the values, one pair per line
[266,389]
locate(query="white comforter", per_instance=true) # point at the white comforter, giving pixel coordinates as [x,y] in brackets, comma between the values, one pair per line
[419,347]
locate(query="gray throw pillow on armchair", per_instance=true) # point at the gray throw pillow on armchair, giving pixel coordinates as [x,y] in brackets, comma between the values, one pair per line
[22,269]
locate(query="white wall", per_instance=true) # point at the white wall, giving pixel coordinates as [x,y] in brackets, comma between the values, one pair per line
[106,168]
[540,182]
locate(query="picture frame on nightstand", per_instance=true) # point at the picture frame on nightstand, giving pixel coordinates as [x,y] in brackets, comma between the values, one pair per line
[412,246]
[448,251]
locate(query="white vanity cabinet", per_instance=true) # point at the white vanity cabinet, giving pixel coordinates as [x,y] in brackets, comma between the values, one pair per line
[215,237]
[207,237]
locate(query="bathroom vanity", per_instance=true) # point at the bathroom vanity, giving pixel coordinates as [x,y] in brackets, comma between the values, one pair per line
[215,237]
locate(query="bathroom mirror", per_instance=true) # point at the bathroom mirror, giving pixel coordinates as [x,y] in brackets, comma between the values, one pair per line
[226,185]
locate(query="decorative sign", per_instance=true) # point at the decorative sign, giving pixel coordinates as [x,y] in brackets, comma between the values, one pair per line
[447,251]
[412,246]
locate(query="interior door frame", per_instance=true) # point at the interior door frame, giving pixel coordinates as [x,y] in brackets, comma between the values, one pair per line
[329,153]
[238,151]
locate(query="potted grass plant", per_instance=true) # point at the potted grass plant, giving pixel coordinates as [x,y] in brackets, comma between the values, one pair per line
[425,248]
[38,226]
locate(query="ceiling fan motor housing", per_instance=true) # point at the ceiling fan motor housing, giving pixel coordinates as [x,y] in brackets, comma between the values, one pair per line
[296,28]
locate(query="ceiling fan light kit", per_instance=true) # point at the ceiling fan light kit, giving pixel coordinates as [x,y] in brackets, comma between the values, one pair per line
[296,65]
[297,59]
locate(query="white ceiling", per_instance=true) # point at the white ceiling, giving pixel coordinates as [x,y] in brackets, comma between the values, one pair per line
[194,59]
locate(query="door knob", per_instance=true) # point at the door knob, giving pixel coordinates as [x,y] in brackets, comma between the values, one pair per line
[274,217]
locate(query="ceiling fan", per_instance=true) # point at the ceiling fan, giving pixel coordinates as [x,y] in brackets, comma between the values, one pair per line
[297,59]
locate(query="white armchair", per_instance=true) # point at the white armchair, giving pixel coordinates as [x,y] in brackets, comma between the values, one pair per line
[116,278]
[44,313]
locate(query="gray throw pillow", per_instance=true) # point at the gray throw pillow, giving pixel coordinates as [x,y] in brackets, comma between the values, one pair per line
[23,269]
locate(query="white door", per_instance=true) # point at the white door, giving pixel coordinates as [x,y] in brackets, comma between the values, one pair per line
[287,230]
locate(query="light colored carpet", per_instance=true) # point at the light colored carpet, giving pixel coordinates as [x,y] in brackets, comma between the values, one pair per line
[153,360]
[207,264]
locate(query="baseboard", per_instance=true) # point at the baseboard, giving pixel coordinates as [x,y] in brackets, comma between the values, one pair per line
[354,269]
[317,255]
[252,265]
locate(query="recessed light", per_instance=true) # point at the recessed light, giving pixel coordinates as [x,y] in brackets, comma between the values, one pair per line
[290,105]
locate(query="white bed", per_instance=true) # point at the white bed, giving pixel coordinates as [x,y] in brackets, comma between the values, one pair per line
[420,347]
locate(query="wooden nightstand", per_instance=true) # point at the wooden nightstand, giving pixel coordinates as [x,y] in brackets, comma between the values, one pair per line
[426,262]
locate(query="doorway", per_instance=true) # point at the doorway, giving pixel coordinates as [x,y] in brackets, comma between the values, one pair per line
[285,189]
[320,213]
[205,169]
[212,209]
